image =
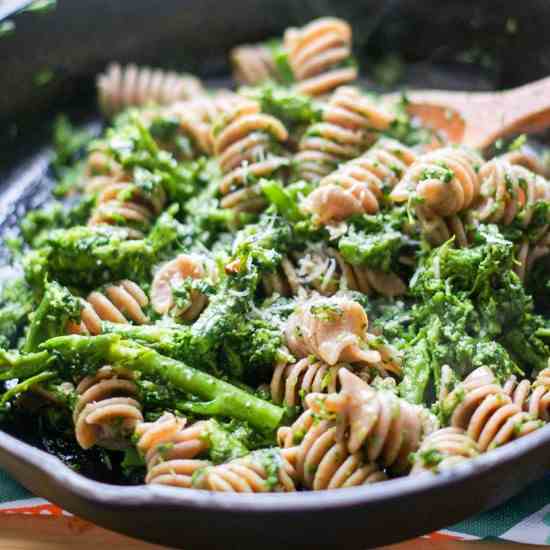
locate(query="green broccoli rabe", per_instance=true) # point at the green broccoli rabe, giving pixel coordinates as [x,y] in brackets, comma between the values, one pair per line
[286,199]
[279,55]
[466,270]
[67,162]
[57,308]
[21,366]
[251,348]
[37,223]
[376,251]
[417,371]
[176,341]
[263,244]
[83,256]
[377,241]
[226,441]
[528,343]
[204,213]
[16,302]
[291,108]
[88,256]
[220,398]
[459,293]
[69,144]
[131,143]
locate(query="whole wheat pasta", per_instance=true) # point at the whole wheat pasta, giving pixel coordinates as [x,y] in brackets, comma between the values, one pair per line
[387,426]
[101,170]
[534,398]
[121,87]
[170,449]
[443,449]
[107,409]
[509,192]
[291,382]
[527,158]
[480,406]
[250,474]
[443,183]
[124,203]
[333,329]
[247,144]
[116,303]
[197,116]
[253,64]
[325,271]
[322,460]
[316,54]
[349,125]
[360,185]
[171,276]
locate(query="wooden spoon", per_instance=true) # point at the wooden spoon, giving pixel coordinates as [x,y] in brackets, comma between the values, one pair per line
[478,119]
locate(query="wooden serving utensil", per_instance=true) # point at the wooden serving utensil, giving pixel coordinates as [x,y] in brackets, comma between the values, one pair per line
[478,119]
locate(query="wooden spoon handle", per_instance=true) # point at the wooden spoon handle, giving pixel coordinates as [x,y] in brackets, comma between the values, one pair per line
[527,108]
[477,119]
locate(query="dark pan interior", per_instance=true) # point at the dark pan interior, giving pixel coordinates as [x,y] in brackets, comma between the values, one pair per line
[488,44]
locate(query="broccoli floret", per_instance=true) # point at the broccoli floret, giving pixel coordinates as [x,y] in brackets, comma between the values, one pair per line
[292,108]
[16,302]
[57,308]
[36,223]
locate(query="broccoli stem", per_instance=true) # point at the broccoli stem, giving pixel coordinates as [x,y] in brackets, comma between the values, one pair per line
[162,339]
[222,398]
[22,366]
[26,385]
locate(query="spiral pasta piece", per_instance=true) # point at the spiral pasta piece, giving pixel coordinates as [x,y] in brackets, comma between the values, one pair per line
[333,329]
[321,459]
[317,53]
[121,87]
[170,449]
[443,449]
[518,392]
[509,192]
[389,427]
[172,276]
[253,64]
[101,170]
[534,398]
[107,409]
[480,406]
[325,271]
[527,158]
[266,470]
[445,183]
[197,116]
[116,303]
[247,146]
[291,382]
[359,185]
[539,400]
[123,203]
[350,123]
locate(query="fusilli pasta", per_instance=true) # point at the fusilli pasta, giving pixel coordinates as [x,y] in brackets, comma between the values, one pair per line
[107,409]
[132,86]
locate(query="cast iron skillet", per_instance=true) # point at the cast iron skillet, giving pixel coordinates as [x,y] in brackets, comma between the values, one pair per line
[76,41]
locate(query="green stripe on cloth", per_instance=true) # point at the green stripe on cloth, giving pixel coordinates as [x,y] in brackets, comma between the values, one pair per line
[499,520]
[10,489]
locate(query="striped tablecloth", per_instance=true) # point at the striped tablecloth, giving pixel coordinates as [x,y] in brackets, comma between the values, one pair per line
[525,518]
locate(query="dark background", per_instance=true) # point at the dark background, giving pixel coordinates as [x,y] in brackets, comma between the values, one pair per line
[49,61]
